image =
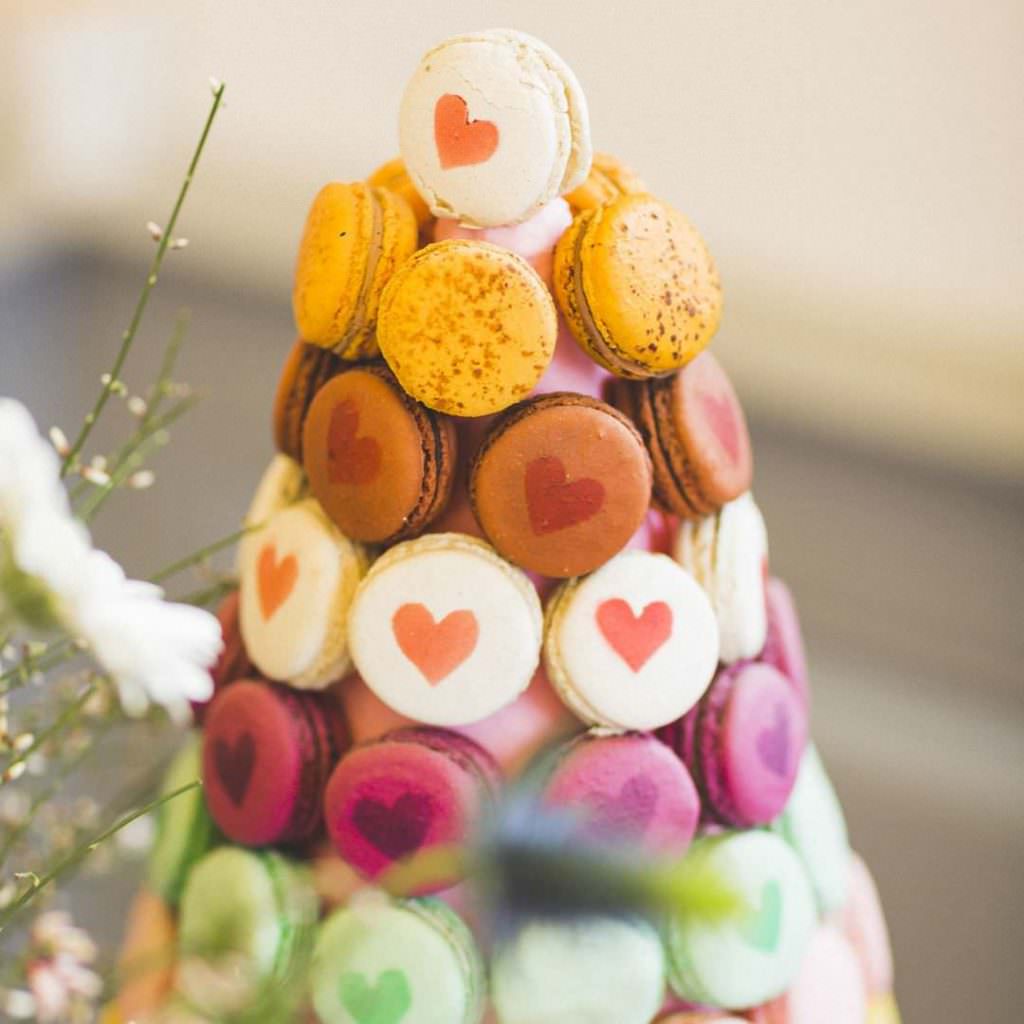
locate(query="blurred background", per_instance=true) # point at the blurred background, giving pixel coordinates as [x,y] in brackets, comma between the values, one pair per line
[856,170]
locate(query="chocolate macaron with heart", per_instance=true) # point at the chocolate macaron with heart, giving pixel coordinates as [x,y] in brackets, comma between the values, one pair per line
[267,754]
[695,432]
[411,790]
[561,483]
[380,463]
[743,743]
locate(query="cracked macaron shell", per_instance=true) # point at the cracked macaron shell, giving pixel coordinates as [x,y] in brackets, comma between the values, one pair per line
[393,176]
[354,238]
[468,328]
[609,178]
[637,286]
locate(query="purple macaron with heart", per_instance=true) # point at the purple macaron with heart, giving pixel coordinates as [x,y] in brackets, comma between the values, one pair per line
[268,751]
[742,743]
[626,787]
[784,642]
[411,790]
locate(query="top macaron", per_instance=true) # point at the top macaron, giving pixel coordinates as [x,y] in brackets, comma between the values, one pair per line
[493,125]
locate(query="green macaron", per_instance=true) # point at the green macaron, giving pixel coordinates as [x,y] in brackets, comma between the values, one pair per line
[754,955]
[814,826]
[245,935]
[184,828]
[381,961]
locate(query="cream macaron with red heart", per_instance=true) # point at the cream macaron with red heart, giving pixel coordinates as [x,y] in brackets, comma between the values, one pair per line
[633,645]
[445,631]
[492,126]
[282,484]
[727,553]
[299,574]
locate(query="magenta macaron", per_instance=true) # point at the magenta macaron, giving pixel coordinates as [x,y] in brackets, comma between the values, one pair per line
[626,786]
[413,789]
[742,743]
[268,751]
[784,642]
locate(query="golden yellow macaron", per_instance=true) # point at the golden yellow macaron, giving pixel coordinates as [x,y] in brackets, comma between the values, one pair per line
[467,327]
[355,236]
[637,286]
[883,1010]
[395,177]
[609,178]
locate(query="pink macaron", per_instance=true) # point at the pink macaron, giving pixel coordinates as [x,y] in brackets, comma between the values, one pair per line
[784,642]
[742,743]
[268,751]
[863,924]
[233,662]
[411,790]
[627,786]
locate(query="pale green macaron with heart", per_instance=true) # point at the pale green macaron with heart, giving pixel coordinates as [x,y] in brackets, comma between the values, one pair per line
[245,934]
[814,826]
[384,961]
[753,955]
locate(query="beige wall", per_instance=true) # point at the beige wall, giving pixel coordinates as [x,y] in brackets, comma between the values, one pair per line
[856,168]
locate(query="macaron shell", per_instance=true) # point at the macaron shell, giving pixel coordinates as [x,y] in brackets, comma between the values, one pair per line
[741,962]
[813,824]
[408,792]
[493,125]
[233,662]
[560,484]
[468,328]
[375,961]
[609,177]
[627,787]
[595,971]
[355,236]
[637,286]
[784,643]
[445,631]
[883,1010]
[146,959]
[829,986]
[283,483]
[394,177]
[306,370]
[380,464]
[752,734]
[633,645]
[864,926]
[298,579]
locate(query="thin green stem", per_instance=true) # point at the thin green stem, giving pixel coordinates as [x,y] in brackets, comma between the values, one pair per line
[52,655]
[206,596]
[65,718]
[198,556]
[80,852]
[128,337]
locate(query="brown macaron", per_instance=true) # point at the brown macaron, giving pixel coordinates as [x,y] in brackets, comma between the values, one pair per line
[380,463]
[696,434]
[561,483]
[305,371]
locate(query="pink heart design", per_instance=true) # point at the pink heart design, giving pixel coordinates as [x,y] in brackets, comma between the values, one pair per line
[634,638]
[773,743]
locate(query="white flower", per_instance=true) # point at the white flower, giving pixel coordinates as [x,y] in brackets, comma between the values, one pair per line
[58,973]
[154,650]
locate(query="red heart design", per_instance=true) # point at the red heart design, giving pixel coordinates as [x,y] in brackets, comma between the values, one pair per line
[634,639]
[350,459]
[460,141]
[234,763]
[720,413]
[436,648]
[396,830]
[275,579]
[553,503]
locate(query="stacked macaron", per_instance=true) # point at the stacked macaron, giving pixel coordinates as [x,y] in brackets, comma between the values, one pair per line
[508,529]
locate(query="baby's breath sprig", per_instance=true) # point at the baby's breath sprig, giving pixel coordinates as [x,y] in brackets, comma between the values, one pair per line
[128,335]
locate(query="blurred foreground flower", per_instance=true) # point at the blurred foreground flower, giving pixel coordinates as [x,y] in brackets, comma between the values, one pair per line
[51,577]
[60,979]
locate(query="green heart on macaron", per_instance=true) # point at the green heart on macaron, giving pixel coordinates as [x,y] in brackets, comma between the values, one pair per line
[385,1002]
[762,929]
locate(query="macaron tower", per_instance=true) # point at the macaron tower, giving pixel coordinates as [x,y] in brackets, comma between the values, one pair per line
[508,529]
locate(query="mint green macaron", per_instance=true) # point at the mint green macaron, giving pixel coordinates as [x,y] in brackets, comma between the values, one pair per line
[813,825]
[752,956]
[588,971]
[384,961]
[184,828]
[245,934]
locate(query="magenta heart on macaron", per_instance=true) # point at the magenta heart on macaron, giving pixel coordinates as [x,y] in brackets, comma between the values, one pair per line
[267,753]
[412,790]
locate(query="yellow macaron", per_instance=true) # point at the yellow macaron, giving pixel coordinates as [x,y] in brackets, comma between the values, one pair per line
[609,178]
[395,177]
[638,287]
[355,236]
[468,328]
